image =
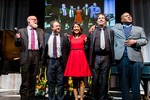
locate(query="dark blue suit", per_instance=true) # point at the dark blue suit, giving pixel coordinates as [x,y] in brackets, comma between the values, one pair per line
[56,68]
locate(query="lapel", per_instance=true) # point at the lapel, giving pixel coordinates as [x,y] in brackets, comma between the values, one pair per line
[38,36]
[61,40]
[108,31]
[120,32]
[47,36]
[93,38]
[26,32]
[132,30]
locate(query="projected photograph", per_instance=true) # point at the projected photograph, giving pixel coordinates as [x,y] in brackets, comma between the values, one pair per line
[85,12]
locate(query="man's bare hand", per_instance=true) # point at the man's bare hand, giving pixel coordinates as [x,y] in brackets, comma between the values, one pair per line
[17,35]
[130,42]
[92,28]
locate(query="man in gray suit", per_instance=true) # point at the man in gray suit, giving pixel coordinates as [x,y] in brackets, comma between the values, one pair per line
[31,41]
[128,40]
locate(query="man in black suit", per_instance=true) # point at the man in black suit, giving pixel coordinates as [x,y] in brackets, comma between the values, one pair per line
[64,16]
[100,57]
[31,41]
[57,57]
[86,15]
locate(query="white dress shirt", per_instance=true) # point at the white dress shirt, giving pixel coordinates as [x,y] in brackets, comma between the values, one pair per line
[50,46]
[29,38]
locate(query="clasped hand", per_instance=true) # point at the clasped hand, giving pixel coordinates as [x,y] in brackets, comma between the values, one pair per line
[130,42]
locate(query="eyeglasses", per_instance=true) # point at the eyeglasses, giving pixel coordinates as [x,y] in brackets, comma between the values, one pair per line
[32,19]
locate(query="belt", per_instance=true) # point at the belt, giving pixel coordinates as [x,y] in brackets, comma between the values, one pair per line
[58,58]
[32,50]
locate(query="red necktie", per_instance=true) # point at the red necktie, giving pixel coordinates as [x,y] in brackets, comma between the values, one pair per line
[54,46]
[32,39]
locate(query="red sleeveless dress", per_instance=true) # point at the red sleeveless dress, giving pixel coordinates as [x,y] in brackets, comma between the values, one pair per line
[77,65]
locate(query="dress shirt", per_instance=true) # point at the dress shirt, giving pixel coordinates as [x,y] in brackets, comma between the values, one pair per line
[29,38]
[50,46]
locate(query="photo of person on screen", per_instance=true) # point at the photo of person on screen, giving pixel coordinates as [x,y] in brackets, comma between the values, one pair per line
[86,15]
[72,11]
[78,17]
[64,11]
[94,11]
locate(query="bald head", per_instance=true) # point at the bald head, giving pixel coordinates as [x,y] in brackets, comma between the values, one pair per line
[32,21]
[126,18]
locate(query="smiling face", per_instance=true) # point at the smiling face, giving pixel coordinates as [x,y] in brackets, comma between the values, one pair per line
[101,20]
[76,29]
[55,26]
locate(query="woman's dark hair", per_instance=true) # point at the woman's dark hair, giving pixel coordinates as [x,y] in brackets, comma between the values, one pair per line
[81,30]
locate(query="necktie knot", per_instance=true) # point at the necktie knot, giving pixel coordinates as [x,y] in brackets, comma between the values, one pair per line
[31,28]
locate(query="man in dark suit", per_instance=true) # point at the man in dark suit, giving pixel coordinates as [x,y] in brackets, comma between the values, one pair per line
[31,40]
[100,57]
[128,56]
[86,15]
[64,16]
[57,58]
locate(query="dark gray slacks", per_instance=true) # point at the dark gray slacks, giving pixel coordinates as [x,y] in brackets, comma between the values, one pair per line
[55,79]
[100,74]
[29,70]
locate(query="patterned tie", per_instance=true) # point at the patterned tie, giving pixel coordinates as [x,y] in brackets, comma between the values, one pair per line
[55,46]
[32,39]
[102,39]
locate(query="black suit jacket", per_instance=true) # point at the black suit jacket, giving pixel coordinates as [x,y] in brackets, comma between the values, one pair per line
[91,38]
[23,42]
[65,48]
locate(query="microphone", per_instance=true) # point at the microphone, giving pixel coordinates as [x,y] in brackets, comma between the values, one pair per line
[16,30]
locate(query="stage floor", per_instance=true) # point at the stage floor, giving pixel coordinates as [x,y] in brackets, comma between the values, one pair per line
[6,94]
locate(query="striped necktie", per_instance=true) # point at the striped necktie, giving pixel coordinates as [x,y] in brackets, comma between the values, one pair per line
[32,39]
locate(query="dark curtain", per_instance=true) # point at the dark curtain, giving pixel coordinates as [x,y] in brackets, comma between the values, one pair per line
[13,13]
[141,17]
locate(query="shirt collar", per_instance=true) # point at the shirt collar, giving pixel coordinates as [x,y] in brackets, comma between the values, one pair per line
[29,27]
[54,34]
[125,25]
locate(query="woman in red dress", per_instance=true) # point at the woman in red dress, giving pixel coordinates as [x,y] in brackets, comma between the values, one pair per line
[77,66]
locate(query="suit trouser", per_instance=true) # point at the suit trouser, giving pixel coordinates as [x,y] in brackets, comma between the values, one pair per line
[28,73]
[55,79]
[100,74]
[129,76]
